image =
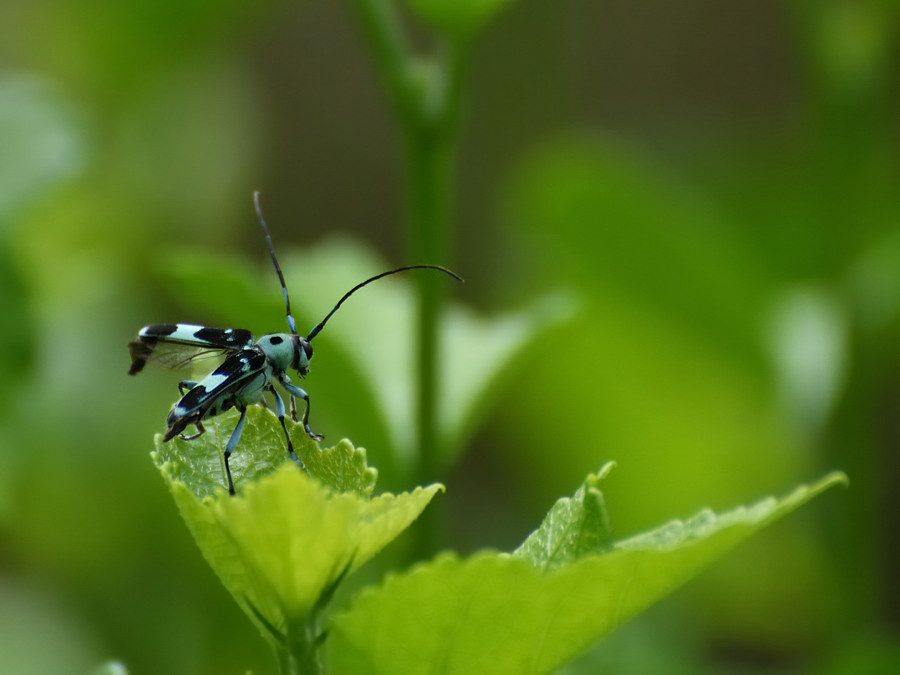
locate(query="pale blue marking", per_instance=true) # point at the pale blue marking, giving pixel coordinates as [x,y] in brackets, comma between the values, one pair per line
[213,380]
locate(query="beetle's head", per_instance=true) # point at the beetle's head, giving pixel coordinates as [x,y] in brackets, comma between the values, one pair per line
[303,352]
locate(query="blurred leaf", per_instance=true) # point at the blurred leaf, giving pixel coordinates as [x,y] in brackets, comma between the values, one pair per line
[456,17]
[618,223]
[111,668]
[496,613]
[574,527]
[41,137]
[675,309]
[471,378]
[808,335]
[287,538]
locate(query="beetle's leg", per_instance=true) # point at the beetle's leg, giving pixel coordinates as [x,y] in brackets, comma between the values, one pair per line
[294,390]
[232,442]
[186,385]
[200,431]
[279,410]
[294,410]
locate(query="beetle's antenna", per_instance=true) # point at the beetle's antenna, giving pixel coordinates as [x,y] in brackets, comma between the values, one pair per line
[319,326]
[287,301]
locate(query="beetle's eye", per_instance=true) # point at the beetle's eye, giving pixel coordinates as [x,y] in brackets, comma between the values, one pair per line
[302,354]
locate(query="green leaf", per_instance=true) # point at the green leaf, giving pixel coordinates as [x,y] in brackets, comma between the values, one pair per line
[199,464]
[500,614]
[573,527]
[289,536]
[456,17]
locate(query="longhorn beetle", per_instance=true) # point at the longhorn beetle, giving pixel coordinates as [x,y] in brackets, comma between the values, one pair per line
[249,370]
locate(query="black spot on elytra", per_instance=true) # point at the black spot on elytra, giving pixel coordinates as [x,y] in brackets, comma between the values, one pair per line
[217,336]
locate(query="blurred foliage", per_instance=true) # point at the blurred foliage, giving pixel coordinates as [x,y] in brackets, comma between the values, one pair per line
[716,187]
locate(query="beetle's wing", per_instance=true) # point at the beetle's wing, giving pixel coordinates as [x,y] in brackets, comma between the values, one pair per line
[217,391]
[224,381]
[176,345]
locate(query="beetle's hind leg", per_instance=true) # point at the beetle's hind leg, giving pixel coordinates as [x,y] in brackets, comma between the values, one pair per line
[186,385]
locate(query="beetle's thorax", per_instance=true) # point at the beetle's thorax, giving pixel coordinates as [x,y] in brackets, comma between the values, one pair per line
[286,350]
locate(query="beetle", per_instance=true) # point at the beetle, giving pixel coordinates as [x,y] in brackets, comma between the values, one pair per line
[249,370]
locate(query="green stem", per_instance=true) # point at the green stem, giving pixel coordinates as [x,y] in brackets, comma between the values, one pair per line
[382,28]
[299,653]
[425,95]
[429,167]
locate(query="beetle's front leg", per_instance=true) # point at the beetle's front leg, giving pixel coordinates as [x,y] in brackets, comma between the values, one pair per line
[279,410]
[294,390]
[199,433]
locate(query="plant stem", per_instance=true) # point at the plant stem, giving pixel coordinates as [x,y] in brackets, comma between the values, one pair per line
[425,95]
[382,28]
[299,653]
[429,168]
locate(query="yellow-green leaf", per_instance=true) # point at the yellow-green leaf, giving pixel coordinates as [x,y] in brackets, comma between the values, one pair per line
[288,536]
[500,614]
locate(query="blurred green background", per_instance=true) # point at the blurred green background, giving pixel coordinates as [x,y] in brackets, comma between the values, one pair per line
[714,186]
